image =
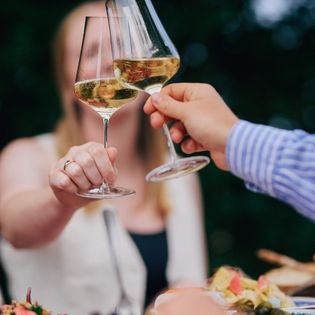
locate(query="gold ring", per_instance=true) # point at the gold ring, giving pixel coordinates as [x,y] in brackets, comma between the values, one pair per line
[67,163]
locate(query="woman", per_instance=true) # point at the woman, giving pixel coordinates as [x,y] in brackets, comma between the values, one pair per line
[56,241]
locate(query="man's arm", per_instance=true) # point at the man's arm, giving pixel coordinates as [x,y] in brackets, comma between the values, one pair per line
[277,162]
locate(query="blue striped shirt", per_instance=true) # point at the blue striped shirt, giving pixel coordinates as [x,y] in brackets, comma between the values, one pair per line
[276,162]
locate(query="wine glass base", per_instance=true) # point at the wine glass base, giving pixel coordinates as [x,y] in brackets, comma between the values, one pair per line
[106,193]
[178,168]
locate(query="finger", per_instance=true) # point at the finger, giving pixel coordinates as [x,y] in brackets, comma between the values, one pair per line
[112,154]
[185,92]
[157,120]
[168,106]
[87,163]
[59,181]
[148,107]
[191,146]
[75,172]
[178,132]
[180,91]
[103,162]
[220,160]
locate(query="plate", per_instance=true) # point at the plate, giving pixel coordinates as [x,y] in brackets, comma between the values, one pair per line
[302,303]
[303,300]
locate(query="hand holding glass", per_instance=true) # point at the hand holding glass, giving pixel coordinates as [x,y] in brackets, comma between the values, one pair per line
[97,87]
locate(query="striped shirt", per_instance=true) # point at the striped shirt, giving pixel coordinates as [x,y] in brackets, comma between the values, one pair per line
[276,162]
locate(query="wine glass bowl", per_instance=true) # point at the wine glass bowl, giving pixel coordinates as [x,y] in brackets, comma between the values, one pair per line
[104,95]
[144,58]
[97,87]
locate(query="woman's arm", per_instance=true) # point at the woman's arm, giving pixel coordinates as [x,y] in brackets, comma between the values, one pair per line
[30,213]
[37,199]
[186,233]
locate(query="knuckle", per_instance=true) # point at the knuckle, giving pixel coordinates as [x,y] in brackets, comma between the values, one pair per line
[74,171]
[73,150]
[96,150]
[87,161]
[64,183]
[91,144]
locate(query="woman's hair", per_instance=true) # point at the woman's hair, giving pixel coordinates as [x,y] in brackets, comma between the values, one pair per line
[151,145]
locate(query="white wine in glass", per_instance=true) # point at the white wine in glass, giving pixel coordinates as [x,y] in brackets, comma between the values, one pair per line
[97,87]
[105,95]
[145,59]
[146,74]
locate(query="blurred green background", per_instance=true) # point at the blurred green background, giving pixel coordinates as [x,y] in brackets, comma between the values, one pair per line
[259,54]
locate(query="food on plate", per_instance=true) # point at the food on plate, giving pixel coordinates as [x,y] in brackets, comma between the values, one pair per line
[234,288]
[24,308]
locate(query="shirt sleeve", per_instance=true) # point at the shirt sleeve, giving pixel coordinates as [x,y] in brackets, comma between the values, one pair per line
[276,162]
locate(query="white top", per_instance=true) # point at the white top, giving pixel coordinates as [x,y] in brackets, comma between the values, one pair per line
[74,274]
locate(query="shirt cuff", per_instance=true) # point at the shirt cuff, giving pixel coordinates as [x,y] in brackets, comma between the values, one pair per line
[251,154]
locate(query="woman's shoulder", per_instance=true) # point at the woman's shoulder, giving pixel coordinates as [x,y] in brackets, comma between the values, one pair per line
[25,163]
[36,147]
[35,143]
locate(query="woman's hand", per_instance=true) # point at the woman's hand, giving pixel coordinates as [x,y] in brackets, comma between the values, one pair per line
[82,168]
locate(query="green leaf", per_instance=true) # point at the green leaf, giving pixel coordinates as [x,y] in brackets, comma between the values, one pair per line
[37,309]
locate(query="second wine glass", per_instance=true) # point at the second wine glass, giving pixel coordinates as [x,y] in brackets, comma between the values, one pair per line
[97,87]
[145,59]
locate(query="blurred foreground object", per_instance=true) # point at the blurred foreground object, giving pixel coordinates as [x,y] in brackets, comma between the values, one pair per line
[234,288]
[294,277]
[192,301]
[282,260]
[24,308]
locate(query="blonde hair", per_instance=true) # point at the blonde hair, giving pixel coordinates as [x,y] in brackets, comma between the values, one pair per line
[151,145]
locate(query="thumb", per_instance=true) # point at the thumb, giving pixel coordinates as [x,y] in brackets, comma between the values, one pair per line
[167,106]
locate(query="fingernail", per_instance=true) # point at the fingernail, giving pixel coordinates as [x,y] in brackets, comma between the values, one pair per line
[156,98]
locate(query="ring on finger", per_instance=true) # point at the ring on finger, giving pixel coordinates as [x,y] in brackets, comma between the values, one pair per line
[67,163]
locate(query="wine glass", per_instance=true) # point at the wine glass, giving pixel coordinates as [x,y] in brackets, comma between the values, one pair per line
[145,59]
[96,86]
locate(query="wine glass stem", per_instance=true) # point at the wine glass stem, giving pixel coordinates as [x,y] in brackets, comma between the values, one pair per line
[105,186]
[171,148]
[106,123]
